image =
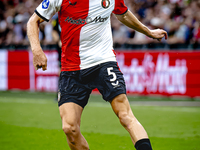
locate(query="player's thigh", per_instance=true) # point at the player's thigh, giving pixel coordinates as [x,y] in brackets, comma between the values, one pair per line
[70,114]
[71,89]
[110,82]
[121,106]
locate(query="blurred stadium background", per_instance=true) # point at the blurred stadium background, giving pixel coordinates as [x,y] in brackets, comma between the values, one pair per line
[163,80]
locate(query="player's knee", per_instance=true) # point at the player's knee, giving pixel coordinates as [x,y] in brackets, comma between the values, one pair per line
[126,120]
[70,129]
[123,118]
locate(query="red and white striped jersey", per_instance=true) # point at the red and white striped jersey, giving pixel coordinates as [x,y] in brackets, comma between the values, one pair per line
[85,30]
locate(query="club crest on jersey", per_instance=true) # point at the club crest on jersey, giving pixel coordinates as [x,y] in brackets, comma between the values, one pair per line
[45,4]
[105,3]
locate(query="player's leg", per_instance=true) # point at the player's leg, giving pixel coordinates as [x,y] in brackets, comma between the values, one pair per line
[72,98]
[71,117]
[111,85]
[121,107]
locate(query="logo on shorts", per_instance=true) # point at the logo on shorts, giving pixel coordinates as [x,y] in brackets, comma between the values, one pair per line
[59,94]
[105,3]
[45,4]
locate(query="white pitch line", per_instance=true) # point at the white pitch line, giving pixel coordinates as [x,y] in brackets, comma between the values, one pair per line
[106,104]
[99,104]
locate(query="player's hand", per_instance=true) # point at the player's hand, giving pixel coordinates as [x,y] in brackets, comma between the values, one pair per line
[158,34]
[39,60]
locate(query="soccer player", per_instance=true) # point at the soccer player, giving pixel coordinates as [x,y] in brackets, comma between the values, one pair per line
[89,62]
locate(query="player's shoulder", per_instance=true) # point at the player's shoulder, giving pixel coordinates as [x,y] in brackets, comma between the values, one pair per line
[48,8]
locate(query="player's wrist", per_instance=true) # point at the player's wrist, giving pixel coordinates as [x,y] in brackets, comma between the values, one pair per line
[148,32]
[37,49]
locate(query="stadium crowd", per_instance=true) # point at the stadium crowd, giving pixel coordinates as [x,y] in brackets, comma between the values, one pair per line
[180,18]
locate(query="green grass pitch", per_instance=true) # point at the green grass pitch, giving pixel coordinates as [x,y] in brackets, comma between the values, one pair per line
[31,121]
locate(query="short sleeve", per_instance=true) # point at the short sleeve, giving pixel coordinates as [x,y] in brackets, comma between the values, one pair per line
[48,8]
[120,7]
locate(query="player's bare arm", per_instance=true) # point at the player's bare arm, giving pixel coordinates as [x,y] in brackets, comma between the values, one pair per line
[39,58]
[131,21]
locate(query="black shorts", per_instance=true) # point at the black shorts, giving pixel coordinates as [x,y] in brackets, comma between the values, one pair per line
[76,86]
